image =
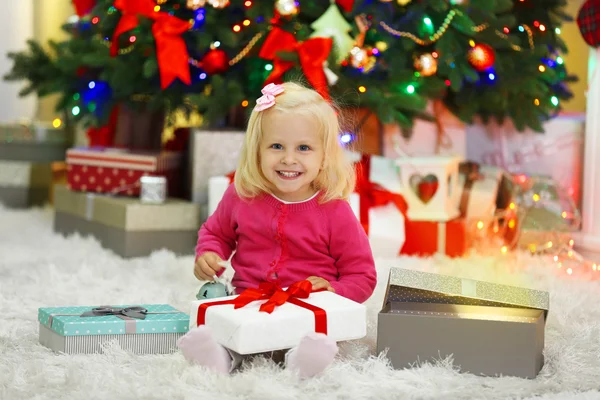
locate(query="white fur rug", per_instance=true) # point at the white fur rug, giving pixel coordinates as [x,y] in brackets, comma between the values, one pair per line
[39,268]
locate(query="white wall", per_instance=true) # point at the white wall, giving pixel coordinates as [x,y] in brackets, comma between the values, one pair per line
[16,26]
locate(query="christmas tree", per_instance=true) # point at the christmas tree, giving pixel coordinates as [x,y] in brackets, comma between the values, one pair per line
[492,58]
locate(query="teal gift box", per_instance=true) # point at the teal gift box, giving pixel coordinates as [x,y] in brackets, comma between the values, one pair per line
[141,329]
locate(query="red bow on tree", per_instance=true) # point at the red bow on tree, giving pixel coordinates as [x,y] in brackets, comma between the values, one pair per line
[346,4]
[104,136]
[83,7]
[312,54]
[171,52]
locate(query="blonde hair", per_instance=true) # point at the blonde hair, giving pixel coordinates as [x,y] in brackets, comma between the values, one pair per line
[336,180]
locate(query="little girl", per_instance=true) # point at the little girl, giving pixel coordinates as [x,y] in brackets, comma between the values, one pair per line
[288,219]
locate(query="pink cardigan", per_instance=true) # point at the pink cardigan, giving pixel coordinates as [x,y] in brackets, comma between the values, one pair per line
[285,243]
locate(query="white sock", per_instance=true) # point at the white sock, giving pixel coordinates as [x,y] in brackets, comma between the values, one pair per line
[199,347]
[314,353]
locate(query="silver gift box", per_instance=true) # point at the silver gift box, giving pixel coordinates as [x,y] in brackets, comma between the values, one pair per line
[148,343]
[212,153]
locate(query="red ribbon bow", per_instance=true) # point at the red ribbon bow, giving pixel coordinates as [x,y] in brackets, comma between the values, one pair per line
[346,4]
[171,51]
[83,7]
[312,54]
[231,176]
[275,297]
[104,136]
[372,194]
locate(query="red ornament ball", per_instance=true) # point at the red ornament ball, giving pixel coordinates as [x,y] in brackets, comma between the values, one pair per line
[481,57]
[588,21]
[215,62]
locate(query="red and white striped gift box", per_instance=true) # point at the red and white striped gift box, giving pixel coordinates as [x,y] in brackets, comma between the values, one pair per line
[118,171]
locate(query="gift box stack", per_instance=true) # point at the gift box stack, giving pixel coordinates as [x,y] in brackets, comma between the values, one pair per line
[427,205]
[126,225]
[141,329]
[488,329]
[29,158]
[127,199]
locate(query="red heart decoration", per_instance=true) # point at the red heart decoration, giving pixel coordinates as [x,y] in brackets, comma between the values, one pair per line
[424,187]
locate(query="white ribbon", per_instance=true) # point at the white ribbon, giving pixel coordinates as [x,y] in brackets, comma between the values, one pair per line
[468,287]
[332,78]
[89,206]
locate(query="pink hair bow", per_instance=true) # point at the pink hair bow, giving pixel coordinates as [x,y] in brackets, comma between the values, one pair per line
[267,100]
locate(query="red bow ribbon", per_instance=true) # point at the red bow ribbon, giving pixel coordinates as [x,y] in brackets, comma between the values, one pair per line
[231,176]
[275,297]
[372,194]
[346,4]
[83,7]
[312,54]
[104,136]
[171,52]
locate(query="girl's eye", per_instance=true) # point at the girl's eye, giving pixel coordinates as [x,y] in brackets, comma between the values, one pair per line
[276,146]
[304,147]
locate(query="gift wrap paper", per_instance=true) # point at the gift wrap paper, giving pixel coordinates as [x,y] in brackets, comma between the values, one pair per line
[36,132]
[126,225]
[478,200]
[118,171]
[488,329]
[32,142]
[24,183]
[425,238]
[64,330]
[212,153]
[127,213]
[249,331]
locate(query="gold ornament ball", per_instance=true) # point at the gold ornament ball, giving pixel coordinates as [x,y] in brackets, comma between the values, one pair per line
[403,2]
[381,46]
[426,64]
[286,7]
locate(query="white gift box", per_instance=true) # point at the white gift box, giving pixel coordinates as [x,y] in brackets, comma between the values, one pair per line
[212,153]
[444,205]
[217,186]
[249,331]
[482,195]
[386,223]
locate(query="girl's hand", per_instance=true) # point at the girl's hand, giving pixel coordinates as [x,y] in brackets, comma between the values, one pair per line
[207,266]
[320,283]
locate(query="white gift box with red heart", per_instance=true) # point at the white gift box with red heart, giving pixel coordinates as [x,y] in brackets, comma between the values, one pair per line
[430,187]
